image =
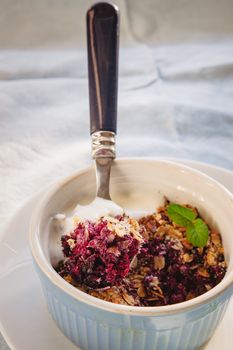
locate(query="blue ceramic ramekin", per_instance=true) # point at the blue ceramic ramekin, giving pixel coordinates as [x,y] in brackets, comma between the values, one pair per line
[95,324]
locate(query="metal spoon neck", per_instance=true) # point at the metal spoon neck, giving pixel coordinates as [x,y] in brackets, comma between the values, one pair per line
[103,171]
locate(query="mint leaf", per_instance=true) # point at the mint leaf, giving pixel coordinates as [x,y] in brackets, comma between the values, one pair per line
[181,216]
[198,233]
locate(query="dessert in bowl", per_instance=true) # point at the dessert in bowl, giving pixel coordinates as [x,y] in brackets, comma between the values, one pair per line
[136,184]
[147,261]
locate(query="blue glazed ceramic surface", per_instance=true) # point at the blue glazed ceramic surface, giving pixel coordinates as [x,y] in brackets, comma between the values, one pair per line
[91,328]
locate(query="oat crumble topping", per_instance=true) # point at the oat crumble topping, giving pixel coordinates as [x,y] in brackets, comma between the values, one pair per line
[148,262]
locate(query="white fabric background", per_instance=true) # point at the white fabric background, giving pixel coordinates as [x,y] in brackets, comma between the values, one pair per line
[175,88]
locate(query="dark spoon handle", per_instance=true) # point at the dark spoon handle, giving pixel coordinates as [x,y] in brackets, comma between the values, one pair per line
[102,44]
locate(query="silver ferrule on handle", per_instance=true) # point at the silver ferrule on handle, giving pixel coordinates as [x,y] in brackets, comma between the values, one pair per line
[103,144]
[103,151]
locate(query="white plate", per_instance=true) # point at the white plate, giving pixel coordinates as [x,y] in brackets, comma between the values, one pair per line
[24,320]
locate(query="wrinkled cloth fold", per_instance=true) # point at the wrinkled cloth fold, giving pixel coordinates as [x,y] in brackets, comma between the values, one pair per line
[174,101]
[175,89]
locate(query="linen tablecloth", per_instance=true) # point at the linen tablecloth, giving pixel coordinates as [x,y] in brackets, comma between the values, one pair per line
[175,88]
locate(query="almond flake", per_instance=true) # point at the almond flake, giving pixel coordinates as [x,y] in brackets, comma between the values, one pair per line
[216,239]
[203,272]
[187,257]
[159,262]
[114,250]
[136,283]
[175,233]
[186,244]
[71,243]
[134,263]
[141,292]
[68,279]
[128,298]
[211,258]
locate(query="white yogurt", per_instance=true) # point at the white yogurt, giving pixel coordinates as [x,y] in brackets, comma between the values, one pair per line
[96,209]
[63,224]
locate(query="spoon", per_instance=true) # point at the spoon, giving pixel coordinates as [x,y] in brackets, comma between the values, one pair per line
[102,44]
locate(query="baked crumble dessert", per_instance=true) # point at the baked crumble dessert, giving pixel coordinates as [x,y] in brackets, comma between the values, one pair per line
[165,258]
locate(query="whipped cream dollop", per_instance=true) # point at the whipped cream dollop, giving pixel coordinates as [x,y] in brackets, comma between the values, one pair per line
[98,208]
